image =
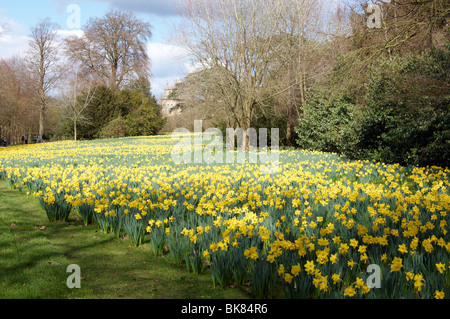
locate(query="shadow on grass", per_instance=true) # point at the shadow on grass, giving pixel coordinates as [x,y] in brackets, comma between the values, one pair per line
[34,261]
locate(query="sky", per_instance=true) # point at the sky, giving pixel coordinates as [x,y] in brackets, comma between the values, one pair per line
[19,16]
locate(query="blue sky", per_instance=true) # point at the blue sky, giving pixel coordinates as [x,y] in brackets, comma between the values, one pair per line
[19,16]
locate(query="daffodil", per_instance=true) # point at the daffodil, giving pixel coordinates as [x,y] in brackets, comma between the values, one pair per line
[440,267]
[397,264]
[350,291]
[309,267]
[295,270]
[288,277]
[336,278]
[409,275]
[403,249]
[418,282]
[439,294]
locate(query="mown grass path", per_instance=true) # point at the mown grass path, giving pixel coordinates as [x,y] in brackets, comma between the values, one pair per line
[35,254]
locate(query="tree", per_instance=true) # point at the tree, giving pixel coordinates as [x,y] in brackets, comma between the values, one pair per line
[258,58]
[303,60]
[406,118]
[112,48]
[142,85]
[76,100]
[18,114]
[126,102]
[403,26]
[146,119]
[201,100]
[117,128]
[100,112]
[237,42]
[44,55]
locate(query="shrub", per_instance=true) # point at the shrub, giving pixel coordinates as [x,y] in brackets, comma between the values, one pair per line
[115,129]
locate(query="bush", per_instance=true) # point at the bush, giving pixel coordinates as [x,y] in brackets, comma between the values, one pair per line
[115,129]
[326,125]
[146,119]
[406,118]
[143,119]
[403,118]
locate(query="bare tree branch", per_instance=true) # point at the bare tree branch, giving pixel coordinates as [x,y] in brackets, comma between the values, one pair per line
[113,48]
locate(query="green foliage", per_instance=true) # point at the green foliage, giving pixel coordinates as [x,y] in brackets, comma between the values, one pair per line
[143,86]
[57,209]
[146,119]
[115,129]
[86,212]
[325,125]
[406,117]
[99,112]
[65,128]
[126,102]
[269,118]
[402,117]
[132,112]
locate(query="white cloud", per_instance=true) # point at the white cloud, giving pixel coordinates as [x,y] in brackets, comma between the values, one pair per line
[168,64]
[68,33]
[166,58]
[13,38]
[192,67]
[13,46]
[11,26]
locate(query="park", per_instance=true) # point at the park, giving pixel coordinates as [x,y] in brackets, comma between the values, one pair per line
[301,152]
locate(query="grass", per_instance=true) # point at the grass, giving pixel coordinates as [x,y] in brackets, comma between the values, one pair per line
[35,255]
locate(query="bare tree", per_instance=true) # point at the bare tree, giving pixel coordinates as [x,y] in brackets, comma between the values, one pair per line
[76,100]
[18,116]
[113,48]
[43,53]
[201,98]
[254,51]
[303,59]
[237,41]
[403,26]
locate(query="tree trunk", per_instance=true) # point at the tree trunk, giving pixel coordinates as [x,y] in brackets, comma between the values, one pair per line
[113,80]
[288,130]
[41,120]
[75,129]
[246,135]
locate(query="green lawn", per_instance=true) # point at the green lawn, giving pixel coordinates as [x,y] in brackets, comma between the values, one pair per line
[35,254]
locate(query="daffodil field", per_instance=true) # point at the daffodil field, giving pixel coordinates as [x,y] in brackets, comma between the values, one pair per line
[320,227]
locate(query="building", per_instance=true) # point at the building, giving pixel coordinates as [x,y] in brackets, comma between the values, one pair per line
[169,101]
